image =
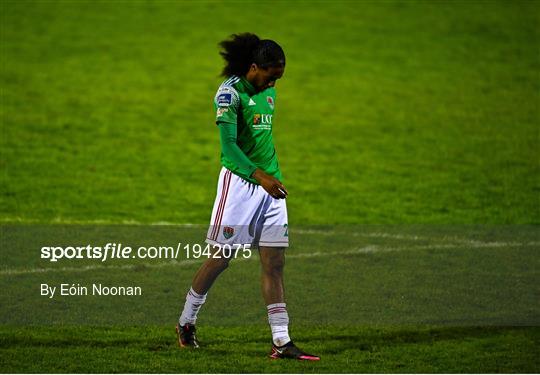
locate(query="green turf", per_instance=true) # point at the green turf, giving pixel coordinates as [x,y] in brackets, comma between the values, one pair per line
[347,349]
[390,112]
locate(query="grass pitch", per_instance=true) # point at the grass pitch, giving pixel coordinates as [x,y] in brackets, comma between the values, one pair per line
[392,112]
[229,350]
[388,113]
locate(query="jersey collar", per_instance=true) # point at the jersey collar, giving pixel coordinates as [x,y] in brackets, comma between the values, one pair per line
[248,86]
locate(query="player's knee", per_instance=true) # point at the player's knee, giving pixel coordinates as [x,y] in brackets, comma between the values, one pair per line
[273,265]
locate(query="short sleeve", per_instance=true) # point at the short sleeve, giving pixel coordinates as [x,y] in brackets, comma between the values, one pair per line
[226,103]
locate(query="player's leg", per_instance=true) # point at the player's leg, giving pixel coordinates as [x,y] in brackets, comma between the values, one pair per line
[272,265]
[208,273]
[273,240]
[272,243]
[195,298]
[202,281]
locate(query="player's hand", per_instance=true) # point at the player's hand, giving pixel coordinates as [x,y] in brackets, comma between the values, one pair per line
[271,184]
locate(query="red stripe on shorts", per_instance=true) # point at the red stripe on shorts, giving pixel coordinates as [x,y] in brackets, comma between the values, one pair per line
[224,203]
[221,207]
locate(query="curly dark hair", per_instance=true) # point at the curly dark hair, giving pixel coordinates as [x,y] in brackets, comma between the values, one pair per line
[242,50]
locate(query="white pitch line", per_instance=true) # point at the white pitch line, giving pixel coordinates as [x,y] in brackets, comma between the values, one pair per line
[24,271]
[370,249]
[460,240]
[59,220]
[360,234]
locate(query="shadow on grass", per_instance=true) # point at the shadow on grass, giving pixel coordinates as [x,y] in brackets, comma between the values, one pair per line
[331,339]
[373,339]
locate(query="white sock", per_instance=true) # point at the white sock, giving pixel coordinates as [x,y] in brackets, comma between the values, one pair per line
[279,323]
[193,304]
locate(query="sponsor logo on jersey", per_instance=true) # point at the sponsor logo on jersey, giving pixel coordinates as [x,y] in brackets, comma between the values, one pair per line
[262,121]
[270,101]
[224,99]
[228,232]
[221,110]
[251,102]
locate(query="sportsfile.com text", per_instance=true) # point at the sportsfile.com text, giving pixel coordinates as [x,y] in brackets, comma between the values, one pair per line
[113,250]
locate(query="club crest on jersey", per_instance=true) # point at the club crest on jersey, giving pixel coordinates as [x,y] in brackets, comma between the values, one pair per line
[228,232]
[270,101]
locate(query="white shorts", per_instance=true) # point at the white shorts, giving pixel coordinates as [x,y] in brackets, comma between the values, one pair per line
[245,214]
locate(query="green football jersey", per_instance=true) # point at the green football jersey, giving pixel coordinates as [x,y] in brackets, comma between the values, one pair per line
[237,102]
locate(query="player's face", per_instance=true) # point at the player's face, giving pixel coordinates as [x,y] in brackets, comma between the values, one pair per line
[264,78]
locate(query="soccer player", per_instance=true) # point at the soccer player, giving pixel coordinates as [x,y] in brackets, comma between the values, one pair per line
[250,207]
